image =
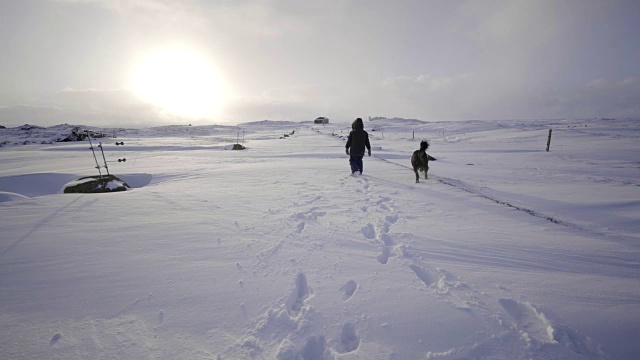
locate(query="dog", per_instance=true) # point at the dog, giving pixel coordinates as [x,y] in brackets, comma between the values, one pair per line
[420,160]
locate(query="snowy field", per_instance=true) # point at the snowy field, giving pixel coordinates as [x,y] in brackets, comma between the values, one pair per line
[276,252]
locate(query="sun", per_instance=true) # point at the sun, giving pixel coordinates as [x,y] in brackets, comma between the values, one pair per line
[180,81]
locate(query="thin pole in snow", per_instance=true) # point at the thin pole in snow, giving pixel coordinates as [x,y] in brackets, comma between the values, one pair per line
[103,158]
[549,140]
[94,155]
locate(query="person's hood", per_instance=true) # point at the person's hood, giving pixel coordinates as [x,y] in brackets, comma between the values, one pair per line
[358,124]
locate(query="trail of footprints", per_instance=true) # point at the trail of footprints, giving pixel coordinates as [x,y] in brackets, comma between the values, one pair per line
[525,318]
[439,282]
[379,233]
[283,330]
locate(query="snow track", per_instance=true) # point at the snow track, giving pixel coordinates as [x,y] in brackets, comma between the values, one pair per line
[458,184]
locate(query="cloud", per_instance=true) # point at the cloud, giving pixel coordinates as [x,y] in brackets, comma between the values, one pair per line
[293,60]
[629,85]
[97,100]
[426,97]
[426,84]
[48,116]
[127,7]
[601,98]
[466,97]
[36,115]
[294,103]
[296,94]
[120,107]
[264,18]
[252,109]
[520,24]
[100,107]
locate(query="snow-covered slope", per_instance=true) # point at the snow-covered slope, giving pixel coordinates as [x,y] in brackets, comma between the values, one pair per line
[275,252]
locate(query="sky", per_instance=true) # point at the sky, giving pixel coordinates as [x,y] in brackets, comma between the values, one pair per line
[156,62]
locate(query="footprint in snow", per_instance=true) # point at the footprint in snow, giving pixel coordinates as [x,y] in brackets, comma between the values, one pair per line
[538,325]
[298,296]
[530,319]
[348,289]
[387,240]
[425,276]
[384,256]
[55,339]
[315,349]
[369,231]
[300,227]
[348,341]
[311,214]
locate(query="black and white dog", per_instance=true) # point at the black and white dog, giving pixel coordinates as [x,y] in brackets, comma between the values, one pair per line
[420,160]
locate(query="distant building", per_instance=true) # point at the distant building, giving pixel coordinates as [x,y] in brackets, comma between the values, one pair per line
[321,120]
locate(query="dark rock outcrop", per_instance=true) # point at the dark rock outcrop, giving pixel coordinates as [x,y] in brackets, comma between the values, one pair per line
[96,184]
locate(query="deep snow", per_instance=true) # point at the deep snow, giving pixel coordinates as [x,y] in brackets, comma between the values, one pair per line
[506,252]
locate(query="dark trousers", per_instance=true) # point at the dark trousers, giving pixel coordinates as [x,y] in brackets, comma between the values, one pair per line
[356,163]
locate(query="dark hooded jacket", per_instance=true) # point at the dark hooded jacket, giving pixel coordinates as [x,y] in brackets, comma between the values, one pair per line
[358,139]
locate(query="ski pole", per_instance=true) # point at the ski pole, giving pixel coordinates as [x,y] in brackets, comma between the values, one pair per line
[94,154]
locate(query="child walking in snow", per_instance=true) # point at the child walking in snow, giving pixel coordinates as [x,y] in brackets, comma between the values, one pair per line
[356,143]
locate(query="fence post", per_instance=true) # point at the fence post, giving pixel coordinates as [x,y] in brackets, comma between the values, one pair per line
[549,140]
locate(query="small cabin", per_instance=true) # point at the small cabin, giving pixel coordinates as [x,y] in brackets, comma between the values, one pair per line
[321,120]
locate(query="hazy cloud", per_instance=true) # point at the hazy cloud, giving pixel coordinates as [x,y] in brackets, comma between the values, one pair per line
[290,59]
[89,106]
[603,98]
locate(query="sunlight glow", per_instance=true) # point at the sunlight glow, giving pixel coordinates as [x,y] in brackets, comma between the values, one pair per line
[180,81]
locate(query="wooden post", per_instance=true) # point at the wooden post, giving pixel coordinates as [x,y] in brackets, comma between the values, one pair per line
[413,136]
[549,140]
